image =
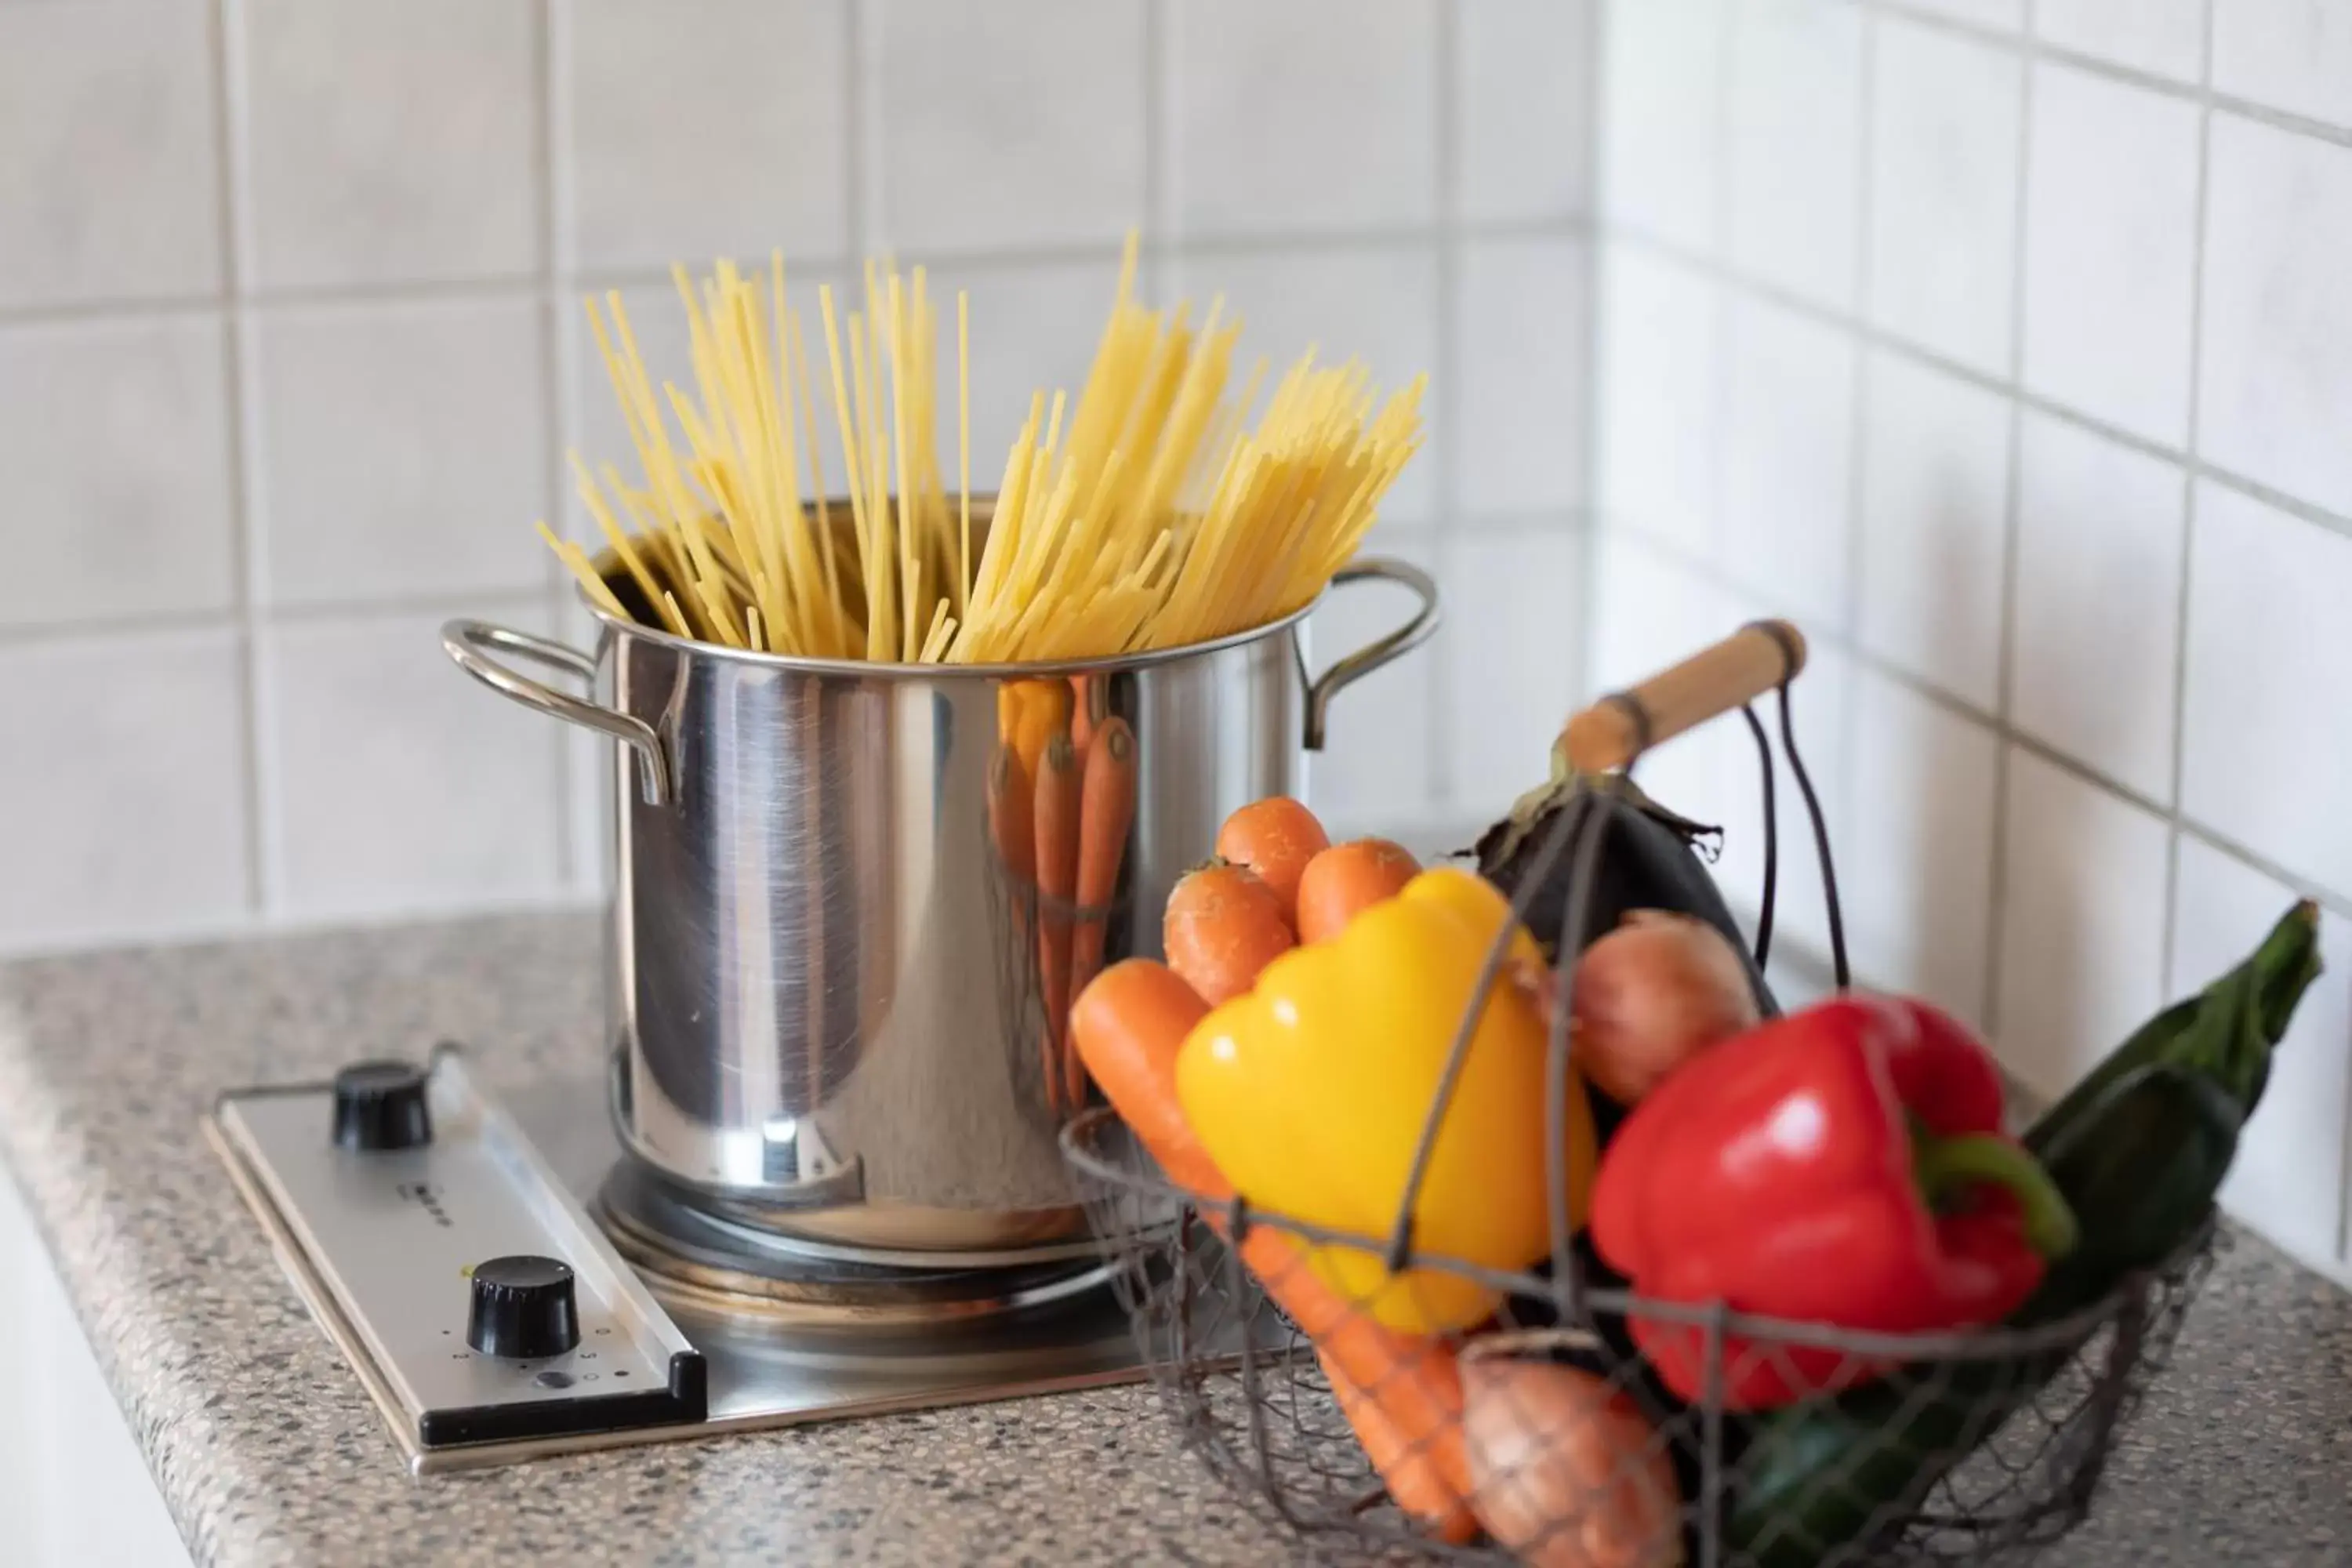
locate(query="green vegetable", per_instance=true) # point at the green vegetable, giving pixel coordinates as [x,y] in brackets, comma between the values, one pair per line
[2277,973]
[2140,1152]
[2145,1160]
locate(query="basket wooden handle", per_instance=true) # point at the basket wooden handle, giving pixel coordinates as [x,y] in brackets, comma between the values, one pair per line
[1744,665]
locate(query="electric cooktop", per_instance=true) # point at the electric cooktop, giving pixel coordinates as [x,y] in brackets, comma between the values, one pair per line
[507,1284]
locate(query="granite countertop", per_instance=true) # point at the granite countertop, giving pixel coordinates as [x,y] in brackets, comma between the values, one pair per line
[267,1451]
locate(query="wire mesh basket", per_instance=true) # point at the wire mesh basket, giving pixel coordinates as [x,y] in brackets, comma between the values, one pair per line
[1968,1447]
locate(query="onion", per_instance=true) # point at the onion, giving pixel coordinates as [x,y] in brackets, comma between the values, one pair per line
[1652,994]
[1564,1470]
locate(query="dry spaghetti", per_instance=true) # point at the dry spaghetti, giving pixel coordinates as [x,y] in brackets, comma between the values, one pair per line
[1150,512]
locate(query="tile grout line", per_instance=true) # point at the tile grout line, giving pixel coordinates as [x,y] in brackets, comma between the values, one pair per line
[1596,15]
[1846,765]
[2011,528]
[2201,92]
[111,310]
[585,828]
[555,229]
[1438,783]
[1719,327]
[504,597]
[1159,190]
[1857,552]
[1866,213]
[102,313]
[2329,899]
[2196,473]
[1665,552]
[1878,337]
[859,163]
[1721,349]
[242,457]
[1725,94]
[1483,526]
[1834,780]
[1671,552]
[2187,513]
[249,586]
[112,628]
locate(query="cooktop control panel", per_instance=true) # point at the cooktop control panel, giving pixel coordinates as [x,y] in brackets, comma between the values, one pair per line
[477,1298]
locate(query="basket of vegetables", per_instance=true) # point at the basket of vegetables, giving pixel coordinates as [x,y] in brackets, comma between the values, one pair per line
[1560,1241]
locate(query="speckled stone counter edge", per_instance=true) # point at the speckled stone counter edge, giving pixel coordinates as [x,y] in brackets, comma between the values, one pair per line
[269,1453]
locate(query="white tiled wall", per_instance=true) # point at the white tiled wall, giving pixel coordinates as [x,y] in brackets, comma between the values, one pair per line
[2029,401]
[2005,343]
[291,353]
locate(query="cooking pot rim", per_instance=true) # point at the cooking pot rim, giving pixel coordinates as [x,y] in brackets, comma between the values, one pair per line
[473,646]
[876,669]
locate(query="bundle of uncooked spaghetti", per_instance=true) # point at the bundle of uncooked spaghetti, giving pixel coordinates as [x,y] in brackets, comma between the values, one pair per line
[1154,515]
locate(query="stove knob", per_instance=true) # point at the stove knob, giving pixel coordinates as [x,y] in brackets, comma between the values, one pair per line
[380,1107]
[523,1309]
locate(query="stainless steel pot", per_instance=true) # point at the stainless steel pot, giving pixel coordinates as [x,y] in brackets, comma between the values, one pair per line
[824,1000]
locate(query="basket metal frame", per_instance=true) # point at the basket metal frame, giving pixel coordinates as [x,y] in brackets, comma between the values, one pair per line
[2109,1350]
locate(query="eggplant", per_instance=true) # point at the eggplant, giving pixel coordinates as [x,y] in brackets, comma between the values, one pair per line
[1649,860]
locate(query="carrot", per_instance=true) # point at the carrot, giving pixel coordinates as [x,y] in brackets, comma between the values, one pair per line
[1429,1476]
[1222,926]
[1057,806]
[1402,1393]
[1129,1024]
[1106,812]
[1348,878]
[1089,709]
[1013,824]
[1273,838]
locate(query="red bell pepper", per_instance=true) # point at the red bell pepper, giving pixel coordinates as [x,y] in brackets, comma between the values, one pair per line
[1844,1165]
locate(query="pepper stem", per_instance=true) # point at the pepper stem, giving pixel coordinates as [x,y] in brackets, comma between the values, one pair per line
[1987,1159]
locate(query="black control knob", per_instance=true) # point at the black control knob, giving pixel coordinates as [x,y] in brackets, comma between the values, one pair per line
[380,1107]
[523,1309]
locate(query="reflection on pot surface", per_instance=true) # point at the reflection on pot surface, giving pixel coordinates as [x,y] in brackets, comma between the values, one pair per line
[853,900]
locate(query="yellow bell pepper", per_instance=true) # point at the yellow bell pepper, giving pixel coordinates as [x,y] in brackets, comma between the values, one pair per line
[1310,1090]
[1481,903]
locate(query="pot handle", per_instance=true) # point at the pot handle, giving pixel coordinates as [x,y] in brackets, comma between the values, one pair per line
[1371,656]
[470,644]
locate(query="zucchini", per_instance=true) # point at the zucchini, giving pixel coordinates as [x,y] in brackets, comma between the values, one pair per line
[2140,1158]
[2278,971]
[2146,1163]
